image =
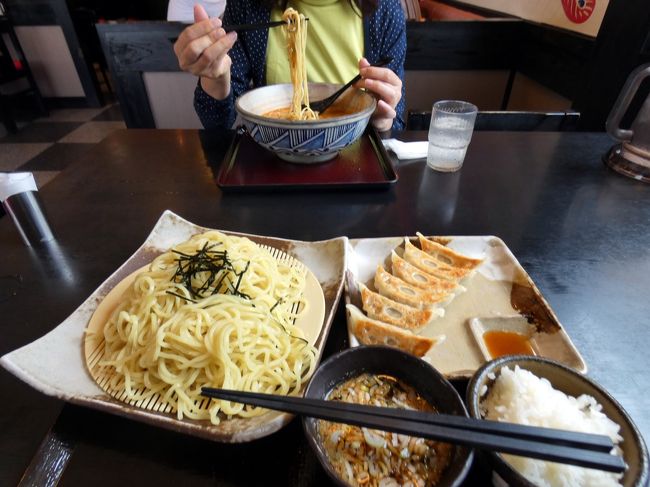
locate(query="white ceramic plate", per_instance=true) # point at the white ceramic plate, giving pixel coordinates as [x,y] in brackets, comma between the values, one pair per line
[499,288]
[55,363]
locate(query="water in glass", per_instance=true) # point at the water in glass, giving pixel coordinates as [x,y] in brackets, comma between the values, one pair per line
[448,141]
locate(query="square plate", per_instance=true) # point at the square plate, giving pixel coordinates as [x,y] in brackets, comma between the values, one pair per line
[499,288]
[248,166]
[71,381]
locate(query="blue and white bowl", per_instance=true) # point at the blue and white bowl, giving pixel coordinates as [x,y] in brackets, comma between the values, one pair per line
[305,141]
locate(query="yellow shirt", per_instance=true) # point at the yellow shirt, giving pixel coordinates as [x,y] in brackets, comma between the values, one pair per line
[334,42]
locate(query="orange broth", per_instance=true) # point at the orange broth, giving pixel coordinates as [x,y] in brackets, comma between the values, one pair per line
[283,113]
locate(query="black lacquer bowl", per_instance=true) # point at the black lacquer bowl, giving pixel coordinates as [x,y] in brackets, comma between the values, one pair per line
[428,382]
[571,383]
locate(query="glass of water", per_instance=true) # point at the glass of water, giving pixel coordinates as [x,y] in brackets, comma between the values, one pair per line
[452,124]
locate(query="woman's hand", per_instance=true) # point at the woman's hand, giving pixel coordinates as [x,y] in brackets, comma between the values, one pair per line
[384,83]
[202,49]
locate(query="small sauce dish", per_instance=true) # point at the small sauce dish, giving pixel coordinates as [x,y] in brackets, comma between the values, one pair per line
[500,336]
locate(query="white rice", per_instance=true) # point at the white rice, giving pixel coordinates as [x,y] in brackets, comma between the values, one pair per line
[521,397]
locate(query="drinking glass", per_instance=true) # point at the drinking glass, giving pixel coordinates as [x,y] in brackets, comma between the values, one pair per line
[452,124]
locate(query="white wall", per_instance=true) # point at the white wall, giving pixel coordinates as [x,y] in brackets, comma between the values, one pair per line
[528,94]
[483,88]
[49,58]
[171,96]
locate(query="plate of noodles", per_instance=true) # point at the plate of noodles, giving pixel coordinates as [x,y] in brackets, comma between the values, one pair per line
[194,307]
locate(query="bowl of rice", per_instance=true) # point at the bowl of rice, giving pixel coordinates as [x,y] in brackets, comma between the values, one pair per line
[541,392]
[382,376]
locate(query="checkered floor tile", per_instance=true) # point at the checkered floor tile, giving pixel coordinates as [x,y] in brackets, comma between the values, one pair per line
[48,145]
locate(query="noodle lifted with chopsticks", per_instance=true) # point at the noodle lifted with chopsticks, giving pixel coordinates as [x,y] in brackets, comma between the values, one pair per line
[214,311]
[296,31]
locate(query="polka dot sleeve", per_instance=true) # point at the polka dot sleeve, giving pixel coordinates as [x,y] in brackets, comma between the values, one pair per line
[386,36]
[247,70]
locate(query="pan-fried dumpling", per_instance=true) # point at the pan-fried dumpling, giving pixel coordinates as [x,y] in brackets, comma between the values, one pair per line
[427,263]
[419,278]
[381,308]
[375,332]
[398,290]
[447,255]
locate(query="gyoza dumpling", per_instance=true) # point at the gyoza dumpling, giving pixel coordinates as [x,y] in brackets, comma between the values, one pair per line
[411,274]
[398,290]
[427,263]
[375,332]
[383,309]
[447,255]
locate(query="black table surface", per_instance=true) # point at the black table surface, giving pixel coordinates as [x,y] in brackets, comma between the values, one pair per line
[581,231]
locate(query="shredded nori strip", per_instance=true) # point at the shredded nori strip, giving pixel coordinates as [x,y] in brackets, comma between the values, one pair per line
[181,296]
[279,301]
[219,269]
[216,269]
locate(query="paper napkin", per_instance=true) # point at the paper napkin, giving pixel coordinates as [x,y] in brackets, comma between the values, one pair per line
[407,150]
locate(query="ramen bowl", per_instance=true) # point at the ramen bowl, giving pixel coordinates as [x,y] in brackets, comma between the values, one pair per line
[305,141]
[416,374]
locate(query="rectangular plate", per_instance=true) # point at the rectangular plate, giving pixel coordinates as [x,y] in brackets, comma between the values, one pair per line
[248,166]
[71,381]
[499,287]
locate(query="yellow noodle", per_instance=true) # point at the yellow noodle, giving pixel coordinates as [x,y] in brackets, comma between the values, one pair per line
[162,344]
[296,31]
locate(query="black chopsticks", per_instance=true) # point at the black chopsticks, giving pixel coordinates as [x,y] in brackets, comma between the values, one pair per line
[246,27]
[582,449]
[262,25]
[321,105]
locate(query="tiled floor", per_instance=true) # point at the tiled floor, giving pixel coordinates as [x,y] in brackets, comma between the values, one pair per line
[47,145]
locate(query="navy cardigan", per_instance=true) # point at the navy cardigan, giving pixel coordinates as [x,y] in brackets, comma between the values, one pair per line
[384,35]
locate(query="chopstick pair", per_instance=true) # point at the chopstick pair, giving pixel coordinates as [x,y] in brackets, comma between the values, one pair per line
[247,27]
[262,25]
[582,449]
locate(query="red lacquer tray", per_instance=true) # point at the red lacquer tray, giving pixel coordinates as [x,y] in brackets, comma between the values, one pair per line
[248,166]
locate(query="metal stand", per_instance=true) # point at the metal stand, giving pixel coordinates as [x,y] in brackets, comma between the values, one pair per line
[629,161]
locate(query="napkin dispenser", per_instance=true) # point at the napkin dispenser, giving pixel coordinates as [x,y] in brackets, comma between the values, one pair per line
[632,156]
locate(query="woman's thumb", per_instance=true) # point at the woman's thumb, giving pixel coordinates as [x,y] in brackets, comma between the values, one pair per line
[200,13]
